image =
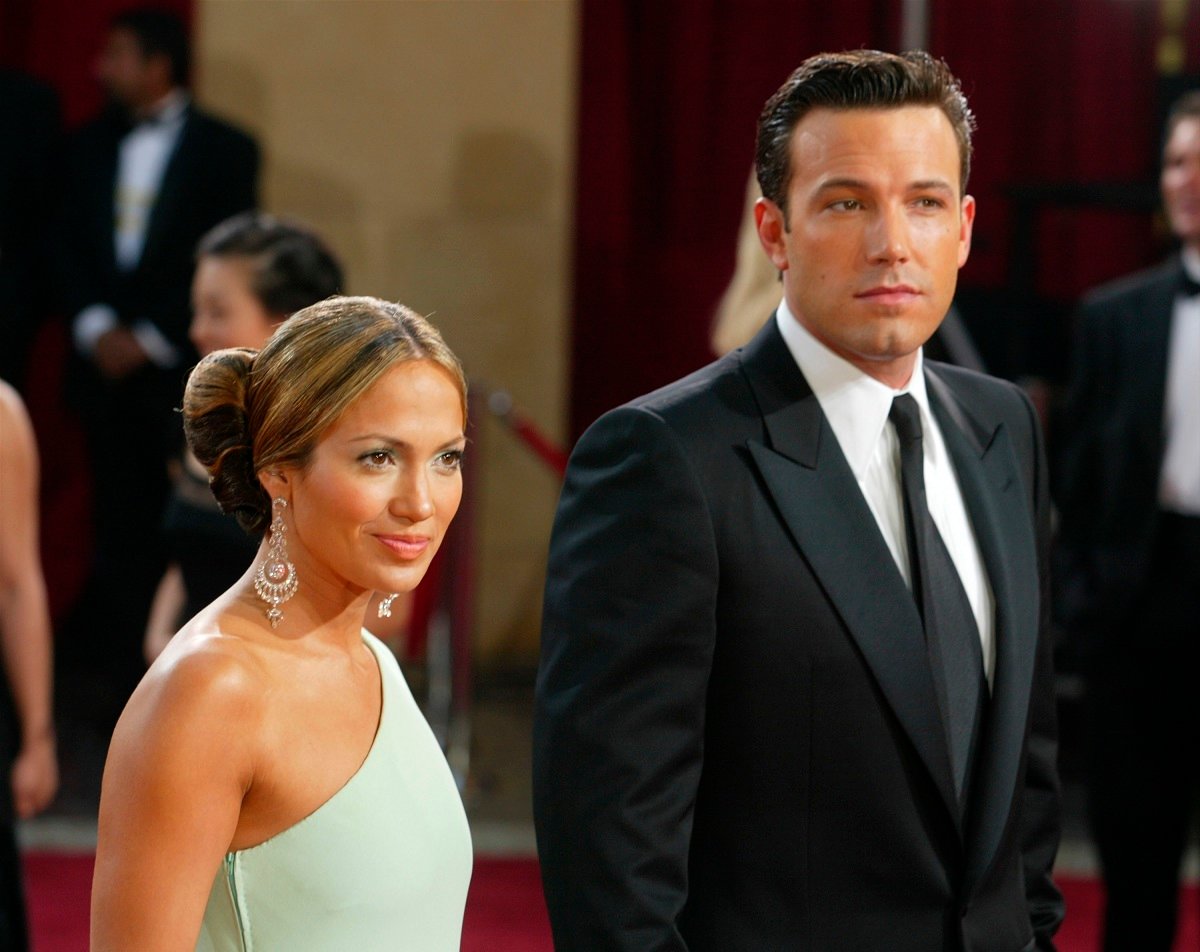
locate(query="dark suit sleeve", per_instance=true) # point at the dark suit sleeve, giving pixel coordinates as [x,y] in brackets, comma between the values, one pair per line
[627,644]
[1077,471]
[237,189]
[1040,807]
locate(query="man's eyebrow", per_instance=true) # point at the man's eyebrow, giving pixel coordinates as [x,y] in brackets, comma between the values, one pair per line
[836,183]
[925,185]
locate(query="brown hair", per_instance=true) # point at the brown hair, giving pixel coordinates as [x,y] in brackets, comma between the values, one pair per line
[856,79]
[245,411]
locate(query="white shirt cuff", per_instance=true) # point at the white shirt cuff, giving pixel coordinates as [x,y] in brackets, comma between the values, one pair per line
[90,325]
[157,347]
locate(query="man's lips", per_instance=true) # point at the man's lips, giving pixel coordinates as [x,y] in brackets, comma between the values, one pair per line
[405,546]
[889,294]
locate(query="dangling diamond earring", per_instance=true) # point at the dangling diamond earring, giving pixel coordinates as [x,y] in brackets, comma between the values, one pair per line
[385,605]
[276,581]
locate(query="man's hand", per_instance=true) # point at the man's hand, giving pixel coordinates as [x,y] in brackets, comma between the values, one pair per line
[35,777]
[118,354]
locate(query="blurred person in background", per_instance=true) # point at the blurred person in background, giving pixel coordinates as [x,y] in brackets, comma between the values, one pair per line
[272,782]
[252,272]
[145,180]
[29,158]
[1129,495]
[27,747]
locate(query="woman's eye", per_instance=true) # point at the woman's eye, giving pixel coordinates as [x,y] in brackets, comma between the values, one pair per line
[377,459]
[450,460]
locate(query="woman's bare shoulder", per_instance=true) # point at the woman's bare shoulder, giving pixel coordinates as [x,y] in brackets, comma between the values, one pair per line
[16,431]
[205,692]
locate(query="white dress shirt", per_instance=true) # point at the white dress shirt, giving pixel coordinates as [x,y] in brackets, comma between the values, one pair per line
[857,407]
[1179,480]
[142,160]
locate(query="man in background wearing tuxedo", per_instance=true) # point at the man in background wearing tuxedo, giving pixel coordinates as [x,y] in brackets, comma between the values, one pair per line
[1129,494]
[147,178]
[796,688]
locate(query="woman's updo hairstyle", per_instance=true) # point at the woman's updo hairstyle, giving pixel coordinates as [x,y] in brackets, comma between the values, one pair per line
[244,412]
[290,266]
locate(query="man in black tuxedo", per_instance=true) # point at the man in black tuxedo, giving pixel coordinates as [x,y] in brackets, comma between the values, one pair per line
[1129,494]
[146,179]
[796,688]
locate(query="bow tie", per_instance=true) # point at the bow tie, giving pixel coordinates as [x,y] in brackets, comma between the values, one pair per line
[1189,287]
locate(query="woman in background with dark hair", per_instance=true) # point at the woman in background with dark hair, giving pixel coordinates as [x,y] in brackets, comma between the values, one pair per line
[252,271]
[272,784]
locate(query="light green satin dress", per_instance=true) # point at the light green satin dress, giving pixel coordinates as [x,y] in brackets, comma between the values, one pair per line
[383,864]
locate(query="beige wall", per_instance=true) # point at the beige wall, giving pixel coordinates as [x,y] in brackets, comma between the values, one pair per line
[431,142]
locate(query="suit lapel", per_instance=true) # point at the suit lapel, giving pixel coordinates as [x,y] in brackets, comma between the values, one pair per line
[1150,340]
[988,477]
[817,496]
[170,189]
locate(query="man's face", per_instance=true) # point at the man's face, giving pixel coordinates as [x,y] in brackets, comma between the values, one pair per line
[126,74]
[1181,180]
[876,231]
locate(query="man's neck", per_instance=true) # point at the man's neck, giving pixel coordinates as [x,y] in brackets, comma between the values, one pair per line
[155,103]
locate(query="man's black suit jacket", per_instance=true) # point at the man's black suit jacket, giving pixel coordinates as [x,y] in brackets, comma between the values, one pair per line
[211,174]
[736,739]
[1112,446]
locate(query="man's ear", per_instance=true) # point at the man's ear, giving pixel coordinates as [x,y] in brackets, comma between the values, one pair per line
[771,224]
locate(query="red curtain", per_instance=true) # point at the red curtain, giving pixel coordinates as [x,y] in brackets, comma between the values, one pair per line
[1065,92]
[669,94]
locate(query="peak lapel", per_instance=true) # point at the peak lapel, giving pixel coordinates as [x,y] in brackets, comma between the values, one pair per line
[817,496]
[988,476]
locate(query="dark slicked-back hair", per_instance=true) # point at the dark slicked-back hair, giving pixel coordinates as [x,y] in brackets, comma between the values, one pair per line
[856,79]
[290,266]
[159,33]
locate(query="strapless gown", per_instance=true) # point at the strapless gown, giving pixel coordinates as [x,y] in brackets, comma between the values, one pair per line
[383,864]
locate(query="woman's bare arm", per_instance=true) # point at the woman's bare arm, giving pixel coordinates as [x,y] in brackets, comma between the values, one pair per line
[24,618]
[180,763]
[169,599]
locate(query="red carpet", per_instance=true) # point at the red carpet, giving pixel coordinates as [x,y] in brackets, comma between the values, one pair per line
[505,912]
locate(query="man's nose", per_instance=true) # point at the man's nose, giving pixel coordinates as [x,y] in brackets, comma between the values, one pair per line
[888,238]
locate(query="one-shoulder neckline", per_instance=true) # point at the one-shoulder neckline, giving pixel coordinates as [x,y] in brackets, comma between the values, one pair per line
[375,646]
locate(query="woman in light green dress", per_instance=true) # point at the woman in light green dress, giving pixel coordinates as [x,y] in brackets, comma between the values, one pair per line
[271,784]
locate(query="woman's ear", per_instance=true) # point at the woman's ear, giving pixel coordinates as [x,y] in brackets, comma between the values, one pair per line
[275,483]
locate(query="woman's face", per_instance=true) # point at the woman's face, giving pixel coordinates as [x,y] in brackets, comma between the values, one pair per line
[372,506]
[225,311]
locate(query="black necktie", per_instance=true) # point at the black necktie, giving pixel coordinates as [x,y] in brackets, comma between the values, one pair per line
[951,635]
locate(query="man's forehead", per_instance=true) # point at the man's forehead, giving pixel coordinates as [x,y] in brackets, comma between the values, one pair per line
[867,137]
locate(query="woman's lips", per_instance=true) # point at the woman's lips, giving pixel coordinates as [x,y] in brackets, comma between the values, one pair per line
[407,547]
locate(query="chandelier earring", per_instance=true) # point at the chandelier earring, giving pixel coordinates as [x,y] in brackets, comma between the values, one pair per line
[385,605]
[275,580]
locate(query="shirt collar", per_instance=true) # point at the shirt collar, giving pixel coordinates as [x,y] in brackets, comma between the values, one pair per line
[855,404]
[1191,262]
